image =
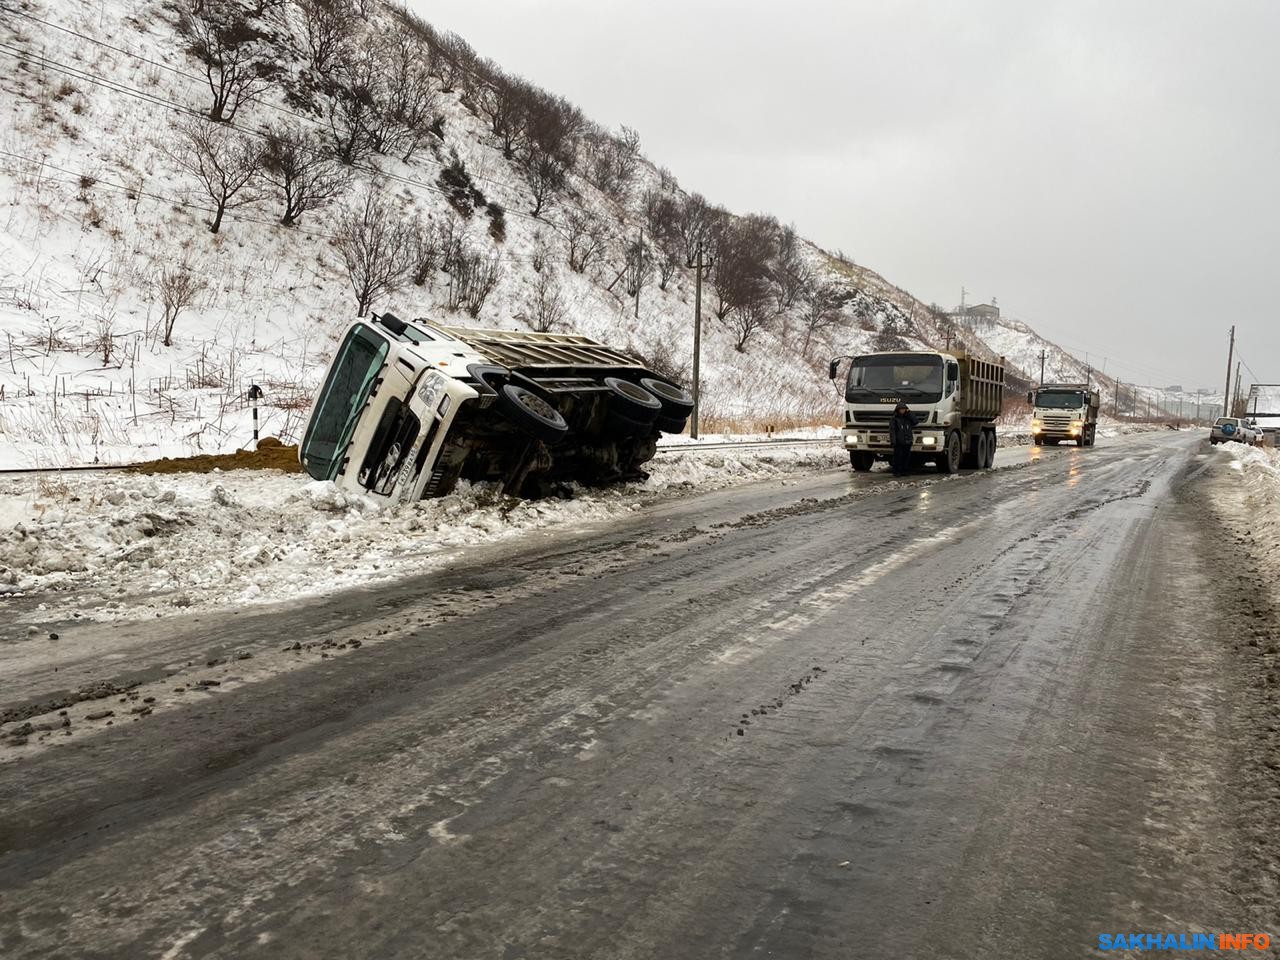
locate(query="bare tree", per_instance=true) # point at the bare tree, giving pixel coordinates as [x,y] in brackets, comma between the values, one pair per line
[452,61]
[748,320]
[353,106]
[693,226]
[548,303]
[789,272]
[177,285]
[822,310]
[306,176]
[614,160]
[223,161]
[376,249]
[668,265]
[237,63]
[544,174]
[638,270]
[744,247]
[585,237]
[406,105]
[505,102]
[327,28]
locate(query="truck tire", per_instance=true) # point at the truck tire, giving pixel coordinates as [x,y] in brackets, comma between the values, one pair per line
[670,424]
[992,442]
[531,414]
[949,459]
[619,425]
[861,461]
[1037,440]
[677,403]
[1081,440]
[971,458]
[632,400]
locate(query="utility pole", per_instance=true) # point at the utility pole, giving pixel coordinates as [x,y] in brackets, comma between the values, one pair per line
[1042,353]
[1226,392]
[639,269]
[1235,396]
[1115,407]
[701,265]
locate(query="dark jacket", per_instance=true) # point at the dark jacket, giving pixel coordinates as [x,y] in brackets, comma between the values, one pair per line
[902,429]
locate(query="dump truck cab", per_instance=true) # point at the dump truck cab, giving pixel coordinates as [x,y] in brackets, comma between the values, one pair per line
[955,398]
[407,409]
[1064,411]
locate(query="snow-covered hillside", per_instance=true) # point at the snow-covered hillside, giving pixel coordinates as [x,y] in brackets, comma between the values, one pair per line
[106,241]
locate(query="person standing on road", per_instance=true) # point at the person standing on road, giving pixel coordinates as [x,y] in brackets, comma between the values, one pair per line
[901,436]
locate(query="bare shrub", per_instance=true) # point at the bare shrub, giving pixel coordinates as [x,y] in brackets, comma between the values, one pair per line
[459,189]
[376,248]
[585,238]
[353,106]
[822,311]
[693,225]
[177,285]
[224,162]
[548,308]
[306,176]
[474,277]
[790,274]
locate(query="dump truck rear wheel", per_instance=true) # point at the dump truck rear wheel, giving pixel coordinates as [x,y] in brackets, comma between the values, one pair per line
[991,449]
[532,414]
[632,400]
[621,425]
[670,424]
[676,402]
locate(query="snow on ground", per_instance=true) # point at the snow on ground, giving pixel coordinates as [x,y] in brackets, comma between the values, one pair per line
[115,545]
[1260,478]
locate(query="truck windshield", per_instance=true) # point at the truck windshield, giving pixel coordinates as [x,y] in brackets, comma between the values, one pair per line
[1059,399]
[895,375]
[341,399]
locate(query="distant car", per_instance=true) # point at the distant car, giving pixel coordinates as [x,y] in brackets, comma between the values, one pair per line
[1231,430]
[1258,438]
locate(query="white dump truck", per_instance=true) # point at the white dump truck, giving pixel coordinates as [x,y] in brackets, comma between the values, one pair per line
[1064,411]
[956,399]
[407,409]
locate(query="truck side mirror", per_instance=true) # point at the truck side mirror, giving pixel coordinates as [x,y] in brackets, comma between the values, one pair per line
[834,369]
[1031,397]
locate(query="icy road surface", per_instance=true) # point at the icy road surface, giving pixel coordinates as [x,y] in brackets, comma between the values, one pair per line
[988,717]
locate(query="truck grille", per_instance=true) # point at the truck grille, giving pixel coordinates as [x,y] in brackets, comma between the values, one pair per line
[1057,423]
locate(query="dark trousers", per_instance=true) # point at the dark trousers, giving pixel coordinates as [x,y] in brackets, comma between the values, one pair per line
[901,459]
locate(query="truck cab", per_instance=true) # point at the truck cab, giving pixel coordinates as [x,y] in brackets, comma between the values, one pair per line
[1064,411]
[407,409]
[955,399]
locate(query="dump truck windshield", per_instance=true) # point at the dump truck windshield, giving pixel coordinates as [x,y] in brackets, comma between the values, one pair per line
[341,399]
[904,375]
[1059,399]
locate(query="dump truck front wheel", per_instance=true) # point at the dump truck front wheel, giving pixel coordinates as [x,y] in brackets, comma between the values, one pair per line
[861,461]
[949,459]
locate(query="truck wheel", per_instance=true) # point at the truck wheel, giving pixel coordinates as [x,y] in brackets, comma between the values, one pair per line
[1080,440]
[971,459]
[530,413]
[618,424]
[861,461]
[677,403]
[670,424]
[991,450]
[632,400]
[949,460]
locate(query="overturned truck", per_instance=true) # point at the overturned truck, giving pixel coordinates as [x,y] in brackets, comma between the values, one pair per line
[407,409]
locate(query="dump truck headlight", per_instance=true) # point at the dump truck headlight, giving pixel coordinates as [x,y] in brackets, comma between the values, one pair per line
[1036,424]
[929,441]
[850,441]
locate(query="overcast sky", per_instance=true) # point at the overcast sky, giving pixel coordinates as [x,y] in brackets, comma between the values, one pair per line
[1109,170]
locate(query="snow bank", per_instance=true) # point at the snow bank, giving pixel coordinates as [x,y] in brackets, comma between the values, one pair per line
[1260,478]
[110,545]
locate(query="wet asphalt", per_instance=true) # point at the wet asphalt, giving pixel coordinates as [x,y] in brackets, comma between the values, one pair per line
[992,715]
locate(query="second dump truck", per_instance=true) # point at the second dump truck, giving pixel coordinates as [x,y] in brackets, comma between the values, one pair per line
[407,409]
[956,398]
[1064,411]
